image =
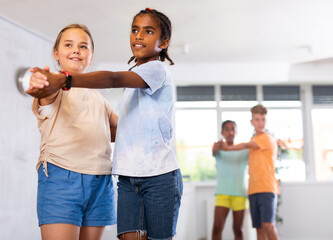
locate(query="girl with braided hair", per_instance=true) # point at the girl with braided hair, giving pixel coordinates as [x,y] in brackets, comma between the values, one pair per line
[150,183]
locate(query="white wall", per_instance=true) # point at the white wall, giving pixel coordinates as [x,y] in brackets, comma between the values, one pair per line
[19,136]
[307,211]
[319,71]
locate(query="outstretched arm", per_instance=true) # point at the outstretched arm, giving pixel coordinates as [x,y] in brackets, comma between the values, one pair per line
[240,146]
[106,79]
[45,83]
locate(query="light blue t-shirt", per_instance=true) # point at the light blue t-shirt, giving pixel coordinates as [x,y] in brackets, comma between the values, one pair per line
[145,125]
[232,172]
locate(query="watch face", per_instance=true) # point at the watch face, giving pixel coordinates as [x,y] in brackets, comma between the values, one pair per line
[23,79]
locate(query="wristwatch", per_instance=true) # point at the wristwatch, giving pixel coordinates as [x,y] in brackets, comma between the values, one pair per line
[68,81]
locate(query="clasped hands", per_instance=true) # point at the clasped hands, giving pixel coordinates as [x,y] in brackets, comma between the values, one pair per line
[44,83]
[220,145]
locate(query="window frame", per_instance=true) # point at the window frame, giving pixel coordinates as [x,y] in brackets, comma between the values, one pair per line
[305,107]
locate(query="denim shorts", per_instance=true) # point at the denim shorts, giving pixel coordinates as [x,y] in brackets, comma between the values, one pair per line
[149,204]
[263,208]
[74,198]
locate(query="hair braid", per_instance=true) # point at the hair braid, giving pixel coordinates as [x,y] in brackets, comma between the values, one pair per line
[131,59]
[164,55]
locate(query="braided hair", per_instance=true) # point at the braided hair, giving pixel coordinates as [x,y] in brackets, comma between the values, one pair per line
[166,28]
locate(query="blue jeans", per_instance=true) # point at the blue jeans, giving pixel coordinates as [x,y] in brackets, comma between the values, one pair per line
[149,204]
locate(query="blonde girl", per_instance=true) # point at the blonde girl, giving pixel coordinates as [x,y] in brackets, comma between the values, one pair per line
[75,190]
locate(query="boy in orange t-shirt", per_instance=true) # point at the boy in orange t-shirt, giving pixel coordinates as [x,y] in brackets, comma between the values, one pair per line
[263,186]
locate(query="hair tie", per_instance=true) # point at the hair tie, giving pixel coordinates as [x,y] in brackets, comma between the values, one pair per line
[146,10]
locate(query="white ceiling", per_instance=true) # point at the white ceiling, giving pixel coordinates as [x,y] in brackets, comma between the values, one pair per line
[227,31]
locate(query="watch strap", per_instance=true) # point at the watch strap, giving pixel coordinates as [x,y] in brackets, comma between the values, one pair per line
[68,81]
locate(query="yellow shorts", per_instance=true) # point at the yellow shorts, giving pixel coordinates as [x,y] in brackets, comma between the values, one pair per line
[236,203]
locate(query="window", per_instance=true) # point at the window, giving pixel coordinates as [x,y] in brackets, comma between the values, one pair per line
[286,126]
[281,96]
[200,111]
[322,94]
[322,130]
[195,93]
[195,124]
[238,96]
[285,123]
[195,134]
[195,96]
